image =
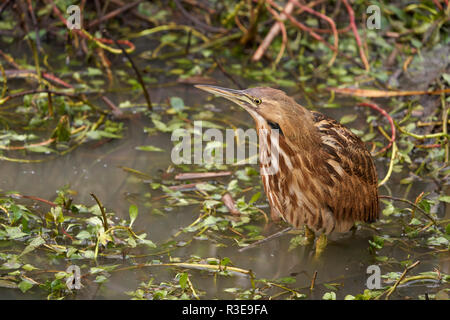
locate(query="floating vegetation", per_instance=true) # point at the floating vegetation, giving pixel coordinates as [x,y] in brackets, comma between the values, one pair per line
[115,91]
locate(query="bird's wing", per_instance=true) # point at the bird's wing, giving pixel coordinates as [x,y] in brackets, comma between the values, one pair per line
[353,194]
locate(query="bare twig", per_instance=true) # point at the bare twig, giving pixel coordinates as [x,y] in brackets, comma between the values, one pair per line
[251,31]
[50,203]
[196,21]
[114,13]
[229,76]
[445,110]
[183,187]
[311,32]
[35,24]
[115,110]
[228,200]
[271,237]
[138,74]
[4,5]
[101,42]
[28,73]
[283,33]
[411,204]
[50,104]
[392,289]
[278,26]
[201,175]
[372,93]
[313,281]
[102,210]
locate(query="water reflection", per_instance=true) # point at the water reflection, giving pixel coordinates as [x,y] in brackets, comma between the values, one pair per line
[96,168]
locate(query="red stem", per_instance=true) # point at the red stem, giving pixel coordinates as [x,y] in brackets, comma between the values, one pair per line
[282,28]
[52,204]
[81,34]
[351,13]
[438,5]
[49,76]
[322,16]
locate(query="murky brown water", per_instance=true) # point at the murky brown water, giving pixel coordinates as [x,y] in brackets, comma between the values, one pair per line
[94,168]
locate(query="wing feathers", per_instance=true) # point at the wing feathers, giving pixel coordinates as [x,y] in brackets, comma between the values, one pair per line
[356,195]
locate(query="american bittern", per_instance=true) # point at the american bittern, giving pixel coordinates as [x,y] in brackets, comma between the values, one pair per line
[326,178]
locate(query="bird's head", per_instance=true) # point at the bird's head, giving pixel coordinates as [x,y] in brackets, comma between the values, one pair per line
[270,108]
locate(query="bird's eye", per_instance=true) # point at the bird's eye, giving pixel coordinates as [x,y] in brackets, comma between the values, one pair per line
[257,101]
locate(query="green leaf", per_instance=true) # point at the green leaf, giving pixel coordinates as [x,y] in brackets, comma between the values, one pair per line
[62,131]
[233,186]
[382,258]
[11,264]
[94,72]
[255,197]
[7,284]
[210,221]
[147,242]
[106,134]
[286,83]
[177,103]
[125,104]
[209,124]
[98,134]
[444,199]
[329,296]
[425,205]
[25,285]
[211,203]
[297,241]
[94,135]
[36,242]
[183,279]
[88,254]
[415,222]
[14,232]
[330,287]
[377,243]
[348,118]
[61,275]
[446,77]
[40,149]
[205,187]
[149,148]
[100,279]
[389,209]
[161,126]
[287,280]
[106,268]
[83,235]
[28,267]
[133,211]
[437,241]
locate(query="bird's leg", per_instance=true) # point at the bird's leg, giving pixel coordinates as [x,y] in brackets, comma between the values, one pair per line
[321,243]
[309,234]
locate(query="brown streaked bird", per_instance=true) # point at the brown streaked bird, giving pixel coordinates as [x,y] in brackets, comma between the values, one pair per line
[326,179]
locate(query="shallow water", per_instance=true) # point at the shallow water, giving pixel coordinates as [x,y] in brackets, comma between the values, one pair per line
[95,168]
